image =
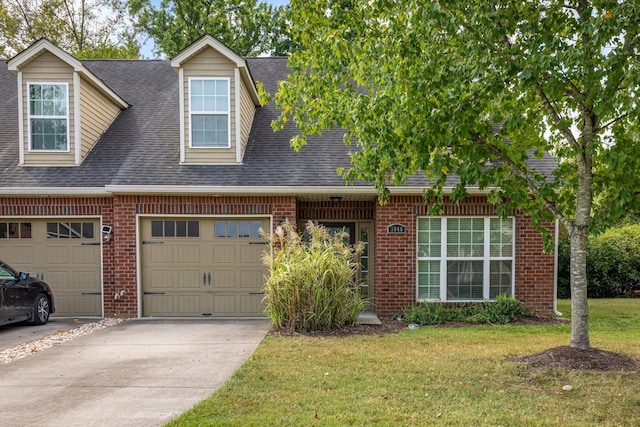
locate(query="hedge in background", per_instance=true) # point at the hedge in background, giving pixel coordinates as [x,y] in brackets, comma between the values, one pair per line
[613,262]
[311,285]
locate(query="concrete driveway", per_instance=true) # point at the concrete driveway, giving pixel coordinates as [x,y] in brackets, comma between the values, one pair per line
[137,373]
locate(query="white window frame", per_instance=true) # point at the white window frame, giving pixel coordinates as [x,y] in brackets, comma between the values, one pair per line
[34,116]
[226,113]
[486,259]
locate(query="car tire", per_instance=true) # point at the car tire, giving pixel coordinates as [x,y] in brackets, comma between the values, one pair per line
[41,310]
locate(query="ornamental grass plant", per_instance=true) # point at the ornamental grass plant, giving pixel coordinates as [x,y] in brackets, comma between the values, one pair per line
[312,280]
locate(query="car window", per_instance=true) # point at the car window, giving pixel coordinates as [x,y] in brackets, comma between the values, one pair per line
[5,274]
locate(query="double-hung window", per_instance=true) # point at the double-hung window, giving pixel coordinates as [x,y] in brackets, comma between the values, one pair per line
[209,112]
[464,259]
[48,116]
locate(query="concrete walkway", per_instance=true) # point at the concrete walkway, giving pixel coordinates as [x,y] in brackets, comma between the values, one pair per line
[137,373]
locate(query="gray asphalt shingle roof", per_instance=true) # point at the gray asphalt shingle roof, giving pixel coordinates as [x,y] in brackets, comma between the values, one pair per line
[141,147]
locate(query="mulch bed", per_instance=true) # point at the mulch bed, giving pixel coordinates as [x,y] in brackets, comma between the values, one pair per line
[559,357]
[576,359]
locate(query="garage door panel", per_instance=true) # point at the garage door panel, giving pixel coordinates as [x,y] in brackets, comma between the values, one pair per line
[224,254]
[251,303]
[83,256]
[58,254]
[191,305]
[86,305]
[188,254]
[161,279]
[190,279]
[223,279]
[161,254]
[158,305]
[250,253]
[249,279]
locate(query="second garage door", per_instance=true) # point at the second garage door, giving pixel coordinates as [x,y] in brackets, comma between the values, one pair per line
[202,266]
[65,253]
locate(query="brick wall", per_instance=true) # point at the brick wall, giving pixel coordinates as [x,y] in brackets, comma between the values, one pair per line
[395,255]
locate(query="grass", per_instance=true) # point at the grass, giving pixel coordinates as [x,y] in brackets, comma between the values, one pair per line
[431,376]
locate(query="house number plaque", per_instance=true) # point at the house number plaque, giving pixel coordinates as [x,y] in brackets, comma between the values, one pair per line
[396,229]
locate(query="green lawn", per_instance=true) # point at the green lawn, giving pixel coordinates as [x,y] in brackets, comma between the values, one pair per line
[432,376]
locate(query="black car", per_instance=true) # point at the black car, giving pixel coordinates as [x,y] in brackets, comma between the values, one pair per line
[23,298]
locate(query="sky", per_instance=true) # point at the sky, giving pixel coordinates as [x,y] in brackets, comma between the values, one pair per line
[146,50]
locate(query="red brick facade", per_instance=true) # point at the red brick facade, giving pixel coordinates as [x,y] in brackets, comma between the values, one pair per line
[394,253]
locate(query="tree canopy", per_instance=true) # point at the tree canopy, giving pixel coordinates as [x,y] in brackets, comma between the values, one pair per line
[84,28]
[248,27]
[481,90]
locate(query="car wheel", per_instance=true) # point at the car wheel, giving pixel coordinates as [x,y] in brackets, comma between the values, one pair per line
[41,310]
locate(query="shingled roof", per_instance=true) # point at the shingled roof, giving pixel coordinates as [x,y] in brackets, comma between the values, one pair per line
[141,147]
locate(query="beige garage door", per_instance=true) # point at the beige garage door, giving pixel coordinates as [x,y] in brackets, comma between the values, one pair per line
[202,266]
[65,253]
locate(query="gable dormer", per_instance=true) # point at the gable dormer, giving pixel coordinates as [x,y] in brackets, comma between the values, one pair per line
[63,108]
[218,99]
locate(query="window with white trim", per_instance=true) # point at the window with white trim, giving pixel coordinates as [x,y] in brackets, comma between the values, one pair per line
[48,116]
[209,119]
[464,258]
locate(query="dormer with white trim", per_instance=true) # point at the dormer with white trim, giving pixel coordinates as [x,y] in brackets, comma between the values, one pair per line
[218,99]
[63,108]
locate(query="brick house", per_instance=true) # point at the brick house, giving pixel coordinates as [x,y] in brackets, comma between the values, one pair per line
[138,188]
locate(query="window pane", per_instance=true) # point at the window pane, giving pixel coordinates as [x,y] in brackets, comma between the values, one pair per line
[501,243]
[232,229]
[3,230]
[169,229]
[500,278]
[429,279]
[87,230]
[465,237]
[157,229]
[464,280]
[243,229]
[76,229]
[48,134]
[209,130]
[194,229]
[181,228]
[220,229]
[429,237]
[255,228]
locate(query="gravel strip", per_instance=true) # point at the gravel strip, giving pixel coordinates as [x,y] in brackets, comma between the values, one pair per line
[63,335]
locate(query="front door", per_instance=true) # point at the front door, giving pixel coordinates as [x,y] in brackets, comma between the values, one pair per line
[358,232]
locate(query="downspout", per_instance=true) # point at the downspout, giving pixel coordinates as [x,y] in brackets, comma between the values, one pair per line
[555,273]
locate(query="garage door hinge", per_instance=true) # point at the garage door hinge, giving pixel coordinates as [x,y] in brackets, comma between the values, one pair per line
[258,243]
[91,293]
[256,293]
[91,244]
[151,242]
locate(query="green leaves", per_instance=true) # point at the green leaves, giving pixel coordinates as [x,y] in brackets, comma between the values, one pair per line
[84,28]
[248,27]
[420,86]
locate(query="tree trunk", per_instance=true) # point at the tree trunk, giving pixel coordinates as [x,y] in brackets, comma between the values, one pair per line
[579,306]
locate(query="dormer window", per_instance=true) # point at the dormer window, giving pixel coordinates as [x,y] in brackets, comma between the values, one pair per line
[48,117]
[209,112]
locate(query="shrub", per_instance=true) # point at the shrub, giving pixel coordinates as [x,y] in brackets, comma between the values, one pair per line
[311,285]
[613,262]
[505,309]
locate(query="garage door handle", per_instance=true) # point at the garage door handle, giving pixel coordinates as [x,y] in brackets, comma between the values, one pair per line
[256,293]
[153,293]
[258,243]
[209,279]
[91,293]
[151,242]
[91,244]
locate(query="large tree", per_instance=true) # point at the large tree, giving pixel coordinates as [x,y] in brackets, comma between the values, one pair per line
[84,28]
[248,27]
[476,89]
